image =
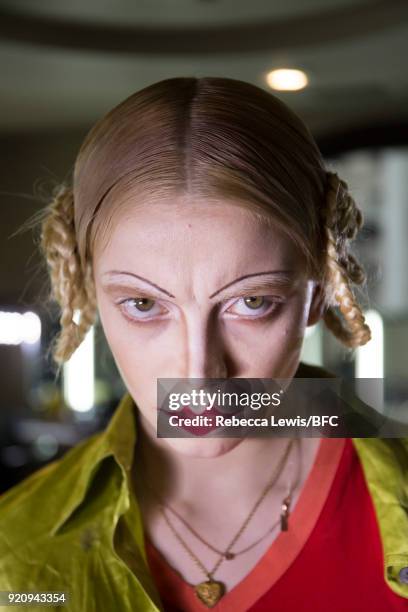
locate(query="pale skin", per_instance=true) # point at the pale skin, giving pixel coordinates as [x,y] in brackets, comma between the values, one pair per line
[187,251]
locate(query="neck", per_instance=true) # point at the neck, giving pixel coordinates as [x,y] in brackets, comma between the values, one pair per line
[197,484]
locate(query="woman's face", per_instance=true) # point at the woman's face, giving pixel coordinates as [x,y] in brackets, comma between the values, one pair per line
[191,290]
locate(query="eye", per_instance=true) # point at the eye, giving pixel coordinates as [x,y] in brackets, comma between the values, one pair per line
[254,302]
[141,308]
[254,306]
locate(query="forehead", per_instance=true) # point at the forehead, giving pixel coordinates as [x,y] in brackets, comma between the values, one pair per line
[194,231]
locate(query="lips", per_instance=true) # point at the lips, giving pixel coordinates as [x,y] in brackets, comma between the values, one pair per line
[199,430]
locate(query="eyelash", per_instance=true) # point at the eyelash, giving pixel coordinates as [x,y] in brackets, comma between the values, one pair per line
[273,305]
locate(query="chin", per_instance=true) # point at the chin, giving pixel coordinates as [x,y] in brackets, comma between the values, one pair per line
[211,447]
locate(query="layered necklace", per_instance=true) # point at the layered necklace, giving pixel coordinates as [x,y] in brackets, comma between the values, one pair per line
[210,590]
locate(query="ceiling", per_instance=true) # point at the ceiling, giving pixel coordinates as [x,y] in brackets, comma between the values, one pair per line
[64,64]
[174,12]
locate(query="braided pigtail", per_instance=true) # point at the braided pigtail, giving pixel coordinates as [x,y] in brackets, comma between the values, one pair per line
[71,286]
[343,219]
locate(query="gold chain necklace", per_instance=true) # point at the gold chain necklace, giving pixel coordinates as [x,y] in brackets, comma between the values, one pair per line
[210,591]
[283,520]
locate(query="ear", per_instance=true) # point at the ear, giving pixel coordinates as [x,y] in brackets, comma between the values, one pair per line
[316,305]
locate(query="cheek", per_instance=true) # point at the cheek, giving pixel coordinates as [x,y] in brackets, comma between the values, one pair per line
[267,348]
[138,371]
[150,350]
[141,354]
[286,342]
[291,327]
[138,348]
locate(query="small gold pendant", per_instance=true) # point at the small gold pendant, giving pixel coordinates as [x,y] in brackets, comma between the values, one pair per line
[210,592]
[284,522]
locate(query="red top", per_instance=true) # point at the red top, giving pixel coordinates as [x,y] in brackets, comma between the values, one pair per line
[330,558]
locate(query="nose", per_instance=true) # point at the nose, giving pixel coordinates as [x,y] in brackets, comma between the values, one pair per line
[205,350]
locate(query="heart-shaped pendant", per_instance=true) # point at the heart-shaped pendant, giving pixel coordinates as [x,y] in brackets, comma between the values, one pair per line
[210,592]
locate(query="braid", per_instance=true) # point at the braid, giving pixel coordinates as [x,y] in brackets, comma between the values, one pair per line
[71,286]
[342,220]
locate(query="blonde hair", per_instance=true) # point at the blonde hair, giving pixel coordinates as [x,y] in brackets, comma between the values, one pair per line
[214,138]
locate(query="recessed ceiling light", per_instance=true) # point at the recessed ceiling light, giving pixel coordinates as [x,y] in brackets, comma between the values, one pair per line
[285,79]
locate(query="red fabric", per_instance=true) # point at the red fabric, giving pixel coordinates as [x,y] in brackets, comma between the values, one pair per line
[334,564]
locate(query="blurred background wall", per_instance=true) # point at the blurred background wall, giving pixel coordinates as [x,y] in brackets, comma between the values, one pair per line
[64,65]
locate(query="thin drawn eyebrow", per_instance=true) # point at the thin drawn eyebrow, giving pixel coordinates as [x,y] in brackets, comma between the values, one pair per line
[119,272]
[283,276]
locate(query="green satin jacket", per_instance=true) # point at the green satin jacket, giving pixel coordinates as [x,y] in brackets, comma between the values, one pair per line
[75,527]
